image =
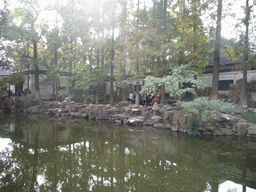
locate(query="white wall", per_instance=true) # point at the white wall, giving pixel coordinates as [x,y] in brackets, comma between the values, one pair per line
[233,75]
[46,90]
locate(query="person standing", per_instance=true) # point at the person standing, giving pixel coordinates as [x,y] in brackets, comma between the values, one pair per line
[131,96]
[155,100]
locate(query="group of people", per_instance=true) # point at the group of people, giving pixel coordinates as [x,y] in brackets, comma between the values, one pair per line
[147,99]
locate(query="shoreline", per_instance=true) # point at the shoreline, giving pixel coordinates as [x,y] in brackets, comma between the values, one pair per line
[162,117]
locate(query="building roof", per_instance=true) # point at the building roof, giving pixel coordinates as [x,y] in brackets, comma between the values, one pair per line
[224,60]
[227,64]
[4,73]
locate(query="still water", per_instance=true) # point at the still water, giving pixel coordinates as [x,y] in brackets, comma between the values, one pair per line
[39,153]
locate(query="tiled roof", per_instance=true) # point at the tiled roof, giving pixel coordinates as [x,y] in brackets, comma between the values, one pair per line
[4,72]
[224,60]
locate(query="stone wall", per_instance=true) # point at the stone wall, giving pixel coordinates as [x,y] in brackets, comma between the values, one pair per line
[171,117]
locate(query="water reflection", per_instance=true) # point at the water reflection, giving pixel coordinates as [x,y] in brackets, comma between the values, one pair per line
[231,186]
[48,154]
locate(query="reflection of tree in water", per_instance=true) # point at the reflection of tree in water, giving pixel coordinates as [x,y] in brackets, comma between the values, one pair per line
[19,168]
[89,156]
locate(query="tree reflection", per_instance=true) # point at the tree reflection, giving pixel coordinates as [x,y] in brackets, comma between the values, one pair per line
[89,156]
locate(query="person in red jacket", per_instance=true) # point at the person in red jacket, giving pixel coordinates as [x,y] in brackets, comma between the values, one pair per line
[155,100]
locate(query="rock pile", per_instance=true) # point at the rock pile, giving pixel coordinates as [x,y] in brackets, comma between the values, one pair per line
[171,117]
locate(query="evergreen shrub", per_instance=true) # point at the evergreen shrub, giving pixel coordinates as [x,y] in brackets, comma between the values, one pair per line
[206,108]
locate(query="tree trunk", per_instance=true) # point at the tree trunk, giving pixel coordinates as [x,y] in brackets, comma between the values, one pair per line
[97,95]
[123,93]
[55,80]
[123,48]
[103,59]
[246,57]
[112,68]
[112,101]
[98,60]
[28,80]
[36,69]
[85,97]
[104,93]
[163,94]
[164,57]
[216,65]
[57,91]
[137,98]
[53,90]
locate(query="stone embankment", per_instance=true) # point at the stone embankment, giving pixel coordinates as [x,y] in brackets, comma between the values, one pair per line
[171,117]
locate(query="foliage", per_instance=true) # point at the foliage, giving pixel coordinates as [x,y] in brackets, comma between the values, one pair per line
[26,100]
[87,77]
[3,86]
[78,95]
[193,126]
[249,116]
[206,108]
[180,75]
[155,106]
[151,39]
[16,79]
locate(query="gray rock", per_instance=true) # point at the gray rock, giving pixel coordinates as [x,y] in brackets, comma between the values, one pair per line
[239,110]
[159,125]
[135,111]
[84,116]
[252,129]
[218,132]
[210,128]
[240,128]
[157,119]
[168,126]
[118,121]
[136,120]
[148,123]
[162,110]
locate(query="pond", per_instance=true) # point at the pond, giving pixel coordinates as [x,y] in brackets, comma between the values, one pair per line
[42,153]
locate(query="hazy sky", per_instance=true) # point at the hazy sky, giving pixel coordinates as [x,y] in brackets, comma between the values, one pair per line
[228,22]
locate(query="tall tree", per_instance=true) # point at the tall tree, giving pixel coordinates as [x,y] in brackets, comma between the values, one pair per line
[137,99]
[246,54]
[70,43]
[4,35]
[28,35]
[112,52]
[216,65]
[123,49]
[51,60]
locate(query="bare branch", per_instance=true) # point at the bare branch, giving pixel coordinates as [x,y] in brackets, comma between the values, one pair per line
[29,57]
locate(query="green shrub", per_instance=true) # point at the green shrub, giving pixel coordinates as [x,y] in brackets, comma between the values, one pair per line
[16,79]
[250,117]
[206,108]
[167,105]
[193,126]
[3,87]
[155,106]
[26,101]
[78,95]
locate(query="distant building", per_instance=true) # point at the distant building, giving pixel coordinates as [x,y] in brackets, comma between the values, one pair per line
[230,72]
[47,88]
